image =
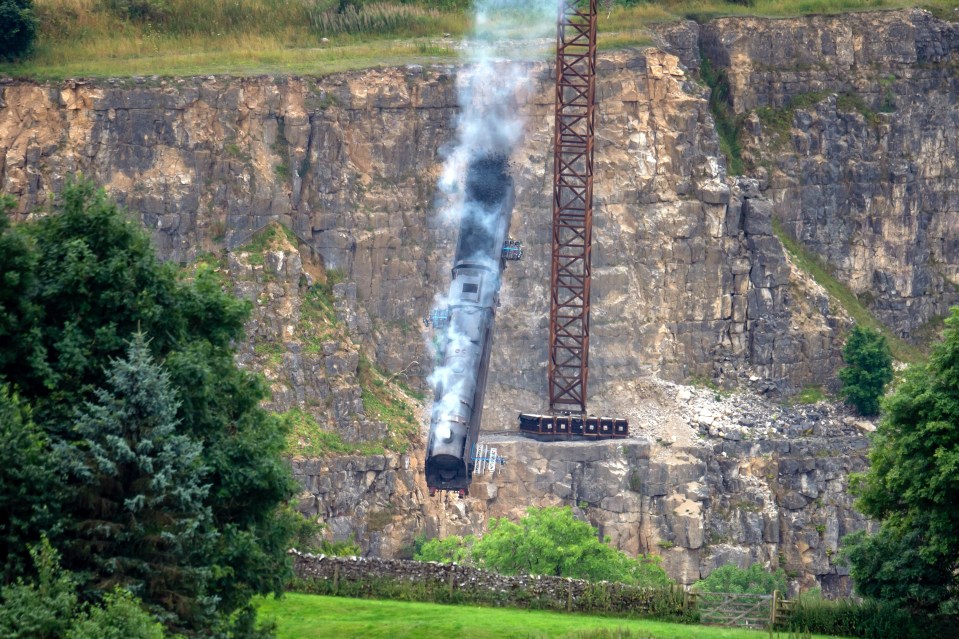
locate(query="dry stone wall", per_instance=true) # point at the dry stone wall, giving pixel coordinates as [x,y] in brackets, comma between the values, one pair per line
[451,582]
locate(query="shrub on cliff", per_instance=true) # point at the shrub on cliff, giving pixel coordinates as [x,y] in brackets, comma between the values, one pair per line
[18,28]
[87,283]
[868,370]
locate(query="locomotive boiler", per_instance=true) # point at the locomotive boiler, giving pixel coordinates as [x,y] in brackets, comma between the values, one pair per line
[465,326]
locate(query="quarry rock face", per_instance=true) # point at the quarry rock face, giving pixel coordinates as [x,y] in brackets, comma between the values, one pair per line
[862,169]
[690,281]
[713,479]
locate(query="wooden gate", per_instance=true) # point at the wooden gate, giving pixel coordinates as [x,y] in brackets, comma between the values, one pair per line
[728,609]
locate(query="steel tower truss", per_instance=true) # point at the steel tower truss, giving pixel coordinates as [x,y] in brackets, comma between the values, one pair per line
[572,205]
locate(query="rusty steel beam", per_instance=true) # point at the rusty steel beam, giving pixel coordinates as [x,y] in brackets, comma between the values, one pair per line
[572,205]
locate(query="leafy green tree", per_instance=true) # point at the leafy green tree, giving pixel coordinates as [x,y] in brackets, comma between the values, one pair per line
[41,609]
[96,283]
[48,607]
[28,486]
[890,566]
[120,617]
[548,541]
[138,492]
[754,580]
[912,486]
[18,28]
[448,550]
[868,370]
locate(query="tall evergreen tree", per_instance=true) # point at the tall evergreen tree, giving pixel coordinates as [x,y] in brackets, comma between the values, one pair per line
[138,497]
[96,282]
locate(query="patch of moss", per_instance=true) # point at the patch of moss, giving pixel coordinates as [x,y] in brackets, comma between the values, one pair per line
[269,237]
[382,402]
[272,351]
[728,124]
[810,395]
[851,103]
[307,438]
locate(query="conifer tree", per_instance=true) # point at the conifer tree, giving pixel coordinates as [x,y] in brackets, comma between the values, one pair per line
[138,498]
[87,279]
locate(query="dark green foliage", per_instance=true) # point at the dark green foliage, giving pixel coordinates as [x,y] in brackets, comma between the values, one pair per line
[48,607]
[753,580]
[28,486]
[889,566]
[17,285]
[247,475]
[869,618]
[868,369]
[912,486]
[96,282]
[547,541]
[120,617]
[138,492]
[18,28]
[40,609]
[99,282]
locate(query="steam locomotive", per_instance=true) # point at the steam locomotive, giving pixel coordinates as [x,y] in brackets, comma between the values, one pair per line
[465,327]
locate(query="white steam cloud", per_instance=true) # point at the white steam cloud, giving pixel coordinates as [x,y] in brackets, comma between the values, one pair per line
[491,122]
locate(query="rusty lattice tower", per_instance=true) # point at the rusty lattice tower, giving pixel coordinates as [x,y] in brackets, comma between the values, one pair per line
[572,205]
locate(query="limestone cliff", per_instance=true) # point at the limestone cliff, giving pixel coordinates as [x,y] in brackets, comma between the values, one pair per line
[689,280]
[862,165]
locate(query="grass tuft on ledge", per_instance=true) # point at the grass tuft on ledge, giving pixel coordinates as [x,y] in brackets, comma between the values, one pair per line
[843,295]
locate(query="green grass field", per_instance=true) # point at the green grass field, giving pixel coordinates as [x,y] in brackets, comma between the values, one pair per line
[311,616]
[97,38]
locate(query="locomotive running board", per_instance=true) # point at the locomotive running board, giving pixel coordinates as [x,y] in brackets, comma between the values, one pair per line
[551,427]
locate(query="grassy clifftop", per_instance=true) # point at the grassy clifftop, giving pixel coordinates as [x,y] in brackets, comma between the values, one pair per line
[82,38]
